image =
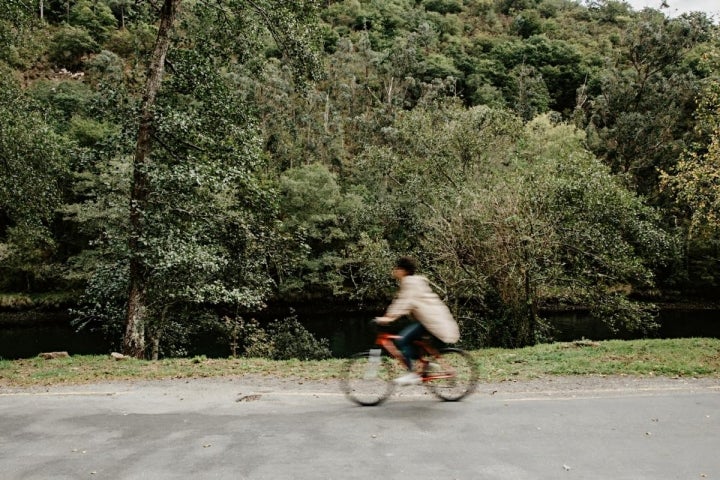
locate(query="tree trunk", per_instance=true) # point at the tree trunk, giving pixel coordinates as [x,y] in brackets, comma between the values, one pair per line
[156,348]
[134,341]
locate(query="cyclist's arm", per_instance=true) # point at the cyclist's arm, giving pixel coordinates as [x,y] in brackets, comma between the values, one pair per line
[386,319]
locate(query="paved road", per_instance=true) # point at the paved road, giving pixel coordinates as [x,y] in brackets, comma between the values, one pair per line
[251,429]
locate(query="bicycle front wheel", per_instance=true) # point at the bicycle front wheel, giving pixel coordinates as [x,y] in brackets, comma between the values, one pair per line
[367,378]
[454,376]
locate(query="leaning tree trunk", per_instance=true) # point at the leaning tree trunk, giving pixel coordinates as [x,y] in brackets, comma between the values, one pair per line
[134,341]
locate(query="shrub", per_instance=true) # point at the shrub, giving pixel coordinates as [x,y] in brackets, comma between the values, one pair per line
[247,336]
[95,17]
[443,6]
[290,339]
[69,45]
[88,132]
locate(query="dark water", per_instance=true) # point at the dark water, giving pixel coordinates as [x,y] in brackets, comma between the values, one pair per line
[26,342]
[674,323]
[346,333]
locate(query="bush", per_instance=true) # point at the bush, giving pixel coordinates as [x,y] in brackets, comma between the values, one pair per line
[88,132]
[290,339]
[527,24]
[95,17]
[69,45]
[105,65]
[249,337]
[443,6]
[122,43]
[102,307]
[282,340]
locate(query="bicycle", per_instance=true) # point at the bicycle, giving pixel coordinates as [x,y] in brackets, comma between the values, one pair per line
[449,373]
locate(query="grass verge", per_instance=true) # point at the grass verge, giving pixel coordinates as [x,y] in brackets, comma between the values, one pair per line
[694,357]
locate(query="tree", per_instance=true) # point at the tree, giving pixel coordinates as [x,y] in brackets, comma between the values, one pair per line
[326,223]
[695,181]
[529,92]
[557,227]
[639,117]
[221,25]
[19,44]
[95,17]
[134,341]
[70,45]
[33,167]
[509,219]
[555,63]
[696,178]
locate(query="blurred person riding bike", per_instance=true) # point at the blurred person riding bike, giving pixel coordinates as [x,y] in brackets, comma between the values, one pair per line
[432,317]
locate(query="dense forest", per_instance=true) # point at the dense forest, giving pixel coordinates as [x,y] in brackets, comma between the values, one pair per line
[168,163]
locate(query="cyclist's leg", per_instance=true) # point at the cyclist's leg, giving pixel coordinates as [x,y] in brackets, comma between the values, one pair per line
[406,342]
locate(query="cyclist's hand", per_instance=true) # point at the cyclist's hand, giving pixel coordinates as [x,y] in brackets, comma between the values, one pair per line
[382,320]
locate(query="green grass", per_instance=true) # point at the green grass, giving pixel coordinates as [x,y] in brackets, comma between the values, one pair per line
[680,357]
[695,357]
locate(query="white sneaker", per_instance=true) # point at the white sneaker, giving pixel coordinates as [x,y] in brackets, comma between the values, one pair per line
[409,379]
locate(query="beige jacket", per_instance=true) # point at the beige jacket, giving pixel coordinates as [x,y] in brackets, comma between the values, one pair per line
[416,298]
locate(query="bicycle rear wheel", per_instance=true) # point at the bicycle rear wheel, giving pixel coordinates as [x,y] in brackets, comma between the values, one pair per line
[454,376]
[367,378]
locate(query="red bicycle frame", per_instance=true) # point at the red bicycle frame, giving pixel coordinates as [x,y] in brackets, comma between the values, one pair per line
[387,341]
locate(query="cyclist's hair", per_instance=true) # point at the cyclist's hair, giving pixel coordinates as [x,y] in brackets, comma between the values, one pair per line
[406,263]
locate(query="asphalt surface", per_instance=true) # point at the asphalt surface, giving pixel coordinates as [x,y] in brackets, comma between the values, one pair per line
[257,429]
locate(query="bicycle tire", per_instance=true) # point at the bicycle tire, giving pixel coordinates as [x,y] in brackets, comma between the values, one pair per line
[462,376]
[367,378]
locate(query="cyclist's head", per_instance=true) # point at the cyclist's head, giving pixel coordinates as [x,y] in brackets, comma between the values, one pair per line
[406,263]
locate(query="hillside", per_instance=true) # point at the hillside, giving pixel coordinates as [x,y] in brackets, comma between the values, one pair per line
[532,154]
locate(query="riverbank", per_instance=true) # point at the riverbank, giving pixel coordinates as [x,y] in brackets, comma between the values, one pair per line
[26,332]
[687,358]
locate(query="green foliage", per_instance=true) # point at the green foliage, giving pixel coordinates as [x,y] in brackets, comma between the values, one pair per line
[291,340]
[610,11]
[443,6]
[509,7]
[509,222]
[16,11]
[242,30]
[554,63]
[206,224]
[434,128]
[99,218]
[88,132]
[122,42]
[70,45]
[64,99]
[282,340]
[617,312]
[95,17]
[527,23]
[638,119]
[247,336]
[103,305]
[325,222]
[529,94]
[105,67]
[600,236]
[33,167]
[695,182]
[21,42]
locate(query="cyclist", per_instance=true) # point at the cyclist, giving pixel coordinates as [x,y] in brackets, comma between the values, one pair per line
[416,298]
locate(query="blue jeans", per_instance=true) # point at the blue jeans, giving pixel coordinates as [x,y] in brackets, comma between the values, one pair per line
[410,334]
